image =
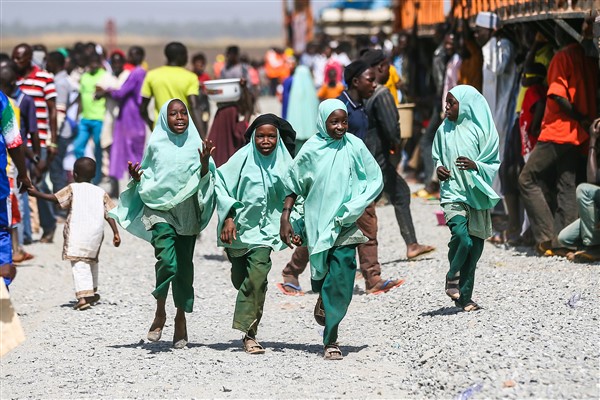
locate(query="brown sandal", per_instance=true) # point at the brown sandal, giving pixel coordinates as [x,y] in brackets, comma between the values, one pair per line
[453,289]
[471,306]
[319,312]
[332,352]
[251,346]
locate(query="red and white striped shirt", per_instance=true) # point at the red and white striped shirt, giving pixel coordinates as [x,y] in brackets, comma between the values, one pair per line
[39,84]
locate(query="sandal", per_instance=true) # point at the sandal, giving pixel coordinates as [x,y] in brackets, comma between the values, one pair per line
[283,289]
[453,289]
[471,306]
[155,334]
[81,307]
[319,312]
[23,257]
[251,346]
[387,285]
[332,352]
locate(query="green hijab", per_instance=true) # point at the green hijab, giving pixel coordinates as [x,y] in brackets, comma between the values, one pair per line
[252,184]
[303,104]
[338,179]
[171,174]
[474,136]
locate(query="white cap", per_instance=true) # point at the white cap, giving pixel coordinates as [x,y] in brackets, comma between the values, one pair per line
[486,19]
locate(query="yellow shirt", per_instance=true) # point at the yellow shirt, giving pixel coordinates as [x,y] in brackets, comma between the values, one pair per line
[169,82]
[391,83]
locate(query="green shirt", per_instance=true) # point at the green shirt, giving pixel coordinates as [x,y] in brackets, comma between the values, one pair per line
[91,108]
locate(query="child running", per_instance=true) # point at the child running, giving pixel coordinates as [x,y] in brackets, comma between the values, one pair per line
[250,195]
[88,207]
[338,178]
[465,153]
[169,200]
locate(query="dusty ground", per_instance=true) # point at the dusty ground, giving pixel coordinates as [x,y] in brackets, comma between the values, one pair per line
[410,343]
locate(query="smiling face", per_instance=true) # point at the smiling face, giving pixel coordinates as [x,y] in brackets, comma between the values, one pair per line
[337,124]
[451,110]
[265,139]
[177,117]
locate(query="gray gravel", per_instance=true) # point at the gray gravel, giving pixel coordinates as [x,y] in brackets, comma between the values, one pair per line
[409,343]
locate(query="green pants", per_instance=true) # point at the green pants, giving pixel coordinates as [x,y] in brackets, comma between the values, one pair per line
[174,264]
[336,289]
[249,276]
[463,255]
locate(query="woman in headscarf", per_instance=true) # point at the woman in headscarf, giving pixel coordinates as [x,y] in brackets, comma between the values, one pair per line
[465,153]
[337,177]
[302,105]
[169,200]
[250,195]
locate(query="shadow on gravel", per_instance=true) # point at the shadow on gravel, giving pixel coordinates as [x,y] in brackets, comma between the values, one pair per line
[161,346]
[442,311]
[411,261]
[236,346]
[214,257]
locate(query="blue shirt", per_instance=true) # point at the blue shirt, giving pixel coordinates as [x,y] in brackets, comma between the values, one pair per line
[358,120]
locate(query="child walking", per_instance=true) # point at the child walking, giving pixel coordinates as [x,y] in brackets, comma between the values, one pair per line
[88,207]
[169,200]
[250,195]
[465,153]
[338,178]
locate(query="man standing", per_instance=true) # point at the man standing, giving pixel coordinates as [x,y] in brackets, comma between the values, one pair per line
[171,81]
[39,84]
[383,138]
[570,108]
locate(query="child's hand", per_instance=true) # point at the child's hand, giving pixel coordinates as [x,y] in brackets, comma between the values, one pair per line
[286,233]
[32,191]
[135,170]
[297,240]
[442,173]
[228,233]
[465,164]
[207,150]
[116,240]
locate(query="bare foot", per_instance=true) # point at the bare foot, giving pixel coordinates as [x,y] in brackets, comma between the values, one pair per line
[415,250]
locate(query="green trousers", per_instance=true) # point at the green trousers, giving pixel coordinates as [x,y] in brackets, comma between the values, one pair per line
[249,276]
[464,253]
[174,265]
[336,288]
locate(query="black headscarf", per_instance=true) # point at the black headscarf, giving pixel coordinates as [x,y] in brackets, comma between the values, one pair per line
[288,134]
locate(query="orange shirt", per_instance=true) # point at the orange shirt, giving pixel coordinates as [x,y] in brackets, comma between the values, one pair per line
[328,92]
[573,76]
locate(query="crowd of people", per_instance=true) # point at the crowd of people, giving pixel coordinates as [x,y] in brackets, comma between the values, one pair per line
[506,100]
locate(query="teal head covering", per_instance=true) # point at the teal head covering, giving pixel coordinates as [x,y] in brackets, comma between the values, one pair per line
[171,174]
[338,179]
[474,136]
[252,184]
[303,104]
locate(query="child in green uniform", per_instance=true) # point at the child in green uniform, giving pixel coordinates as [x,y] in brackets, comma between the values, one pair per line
[250,195]
[169,200]
[465,153]
[338,178]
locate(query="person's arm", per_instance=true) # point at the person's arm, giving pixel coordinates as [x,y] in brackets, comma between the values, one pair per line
[113,226]
[592,163]
[17,154]
[32,191]
[196,115]
[286,232]
[569,109]
[229,232]
[538,116]
[207,151]
[53,146]
[144,112]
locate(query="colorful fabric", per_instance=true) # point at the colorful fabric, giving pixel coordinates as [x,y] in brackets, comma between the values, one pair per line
[303,104]
[91,108]
[533,94]
[169,82]
[171,166]
[39,85]
[391,83]
[328,92]
[10,138]
[573,76]
[338,180]
[473,136]
[5,239]
[253,185]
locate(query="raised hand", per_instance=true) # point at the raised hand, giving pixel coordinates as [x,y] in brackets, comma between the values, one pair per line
[465,163]
[207,151]
[135,170]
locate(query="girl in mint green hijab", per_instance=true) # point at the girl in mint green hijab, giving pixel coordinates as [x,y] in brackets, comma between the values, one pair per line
[465,152]
[338,177]
[250,193]
[169,200]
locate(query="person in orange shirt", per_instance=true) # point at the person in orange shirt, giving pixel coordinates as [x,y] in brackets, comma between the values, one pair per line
[571,106]
[331,89]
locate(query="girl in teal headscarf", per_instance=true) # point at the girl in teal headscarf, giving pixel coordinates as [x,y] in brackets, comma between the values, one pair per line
[465,152]
[169,200]
[302,105]
[250,195]
[338,177]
